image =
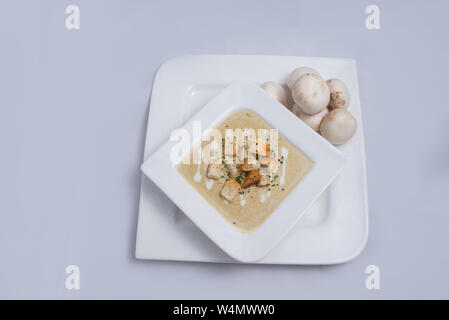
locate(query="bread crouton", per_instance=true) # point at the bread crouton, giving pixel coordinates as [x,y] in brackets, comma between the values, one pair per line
[249,165]
[262,149]
[269,165]
[251,178]
[231,150]
[231,146]
[265,161]
[233,170]
[230,190]
[214,171]
[264,181]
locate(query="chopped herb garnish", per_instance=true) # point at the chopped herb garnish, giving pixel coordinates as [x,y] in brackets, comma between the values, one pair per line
[239,179]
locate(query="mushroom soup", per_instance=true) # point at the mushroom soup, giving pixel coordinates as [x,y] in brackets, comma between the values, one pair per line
[247,192]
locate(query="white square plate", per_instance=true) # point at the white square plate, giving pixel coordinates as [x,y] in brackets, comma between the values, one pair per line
[248,247]
[334,230]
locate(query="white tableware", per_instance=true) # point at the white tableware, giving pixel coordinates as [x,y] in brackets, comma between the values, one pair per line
[334,229]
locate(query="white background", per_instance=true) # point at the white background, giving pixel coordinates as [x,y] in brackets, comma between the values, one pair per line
[73,111]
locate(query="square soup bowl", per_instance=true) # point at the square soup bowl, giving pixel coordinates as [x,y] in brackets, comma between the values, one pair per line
[248,247]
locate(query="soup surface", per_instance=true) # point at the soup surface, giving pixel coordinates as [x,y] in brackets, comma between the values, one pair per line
[252,205]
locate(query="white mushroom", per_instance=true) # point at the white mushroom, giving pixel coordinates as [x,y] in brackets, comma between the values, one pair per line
[311,93]
[338,126]
[275,90]
[312,121]
[295,74]
[340,97]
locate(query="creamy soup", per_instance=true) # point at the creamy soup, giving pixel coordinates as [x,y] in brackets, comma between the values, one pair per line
[250,206]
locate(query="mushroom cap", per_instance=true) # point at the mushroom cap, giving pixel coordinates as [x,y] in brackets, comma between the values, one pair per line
[338,126]
[313,121]
[311,93]
[296,73]
[340,97]
[275,90]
